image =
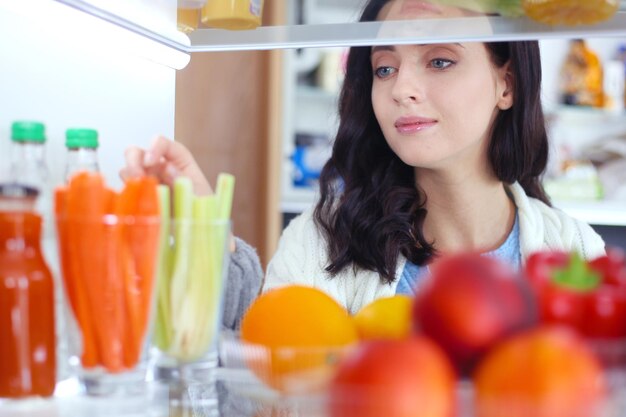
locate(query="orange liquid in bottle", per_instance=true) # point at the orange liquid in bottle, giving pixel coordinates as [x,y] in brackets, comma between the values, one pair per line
[27,340]
[188,19]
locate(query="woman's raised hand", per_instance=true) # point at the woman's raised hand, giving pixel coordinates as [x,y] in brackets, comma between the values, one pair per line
[166,160]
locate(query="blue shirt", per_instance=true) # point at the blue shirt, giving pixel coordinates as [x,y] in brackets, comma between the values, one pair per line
[508,253]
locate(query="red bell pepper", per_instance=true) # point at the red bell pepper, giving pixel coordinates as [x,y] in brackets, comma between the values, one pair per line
[587,296]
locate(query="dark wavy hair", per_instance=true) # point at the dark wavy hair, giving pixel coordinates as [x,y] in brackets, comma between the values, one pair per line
[370,210]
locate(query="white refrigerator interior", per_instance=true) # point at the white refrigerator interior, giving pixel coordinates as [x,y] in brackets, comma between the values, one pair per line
[63,74]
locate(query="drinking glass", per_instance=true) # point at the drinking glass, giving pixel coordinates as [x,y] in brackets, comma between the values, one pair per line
[108,266]
[193,263]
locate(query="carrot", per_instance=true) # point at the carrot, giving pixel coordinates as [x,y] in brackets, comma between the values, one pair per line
[140,242]
[131,305]
[128,278]
[110,200]
[73,286]
[60,211]
[94,262]
[109,264]
[145,245]
[114,296]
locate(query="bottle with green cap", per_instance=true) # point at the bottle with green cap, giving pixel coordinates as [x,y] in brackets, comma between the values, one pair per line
[28,163]
[29,169]
[82,147]
[27,310]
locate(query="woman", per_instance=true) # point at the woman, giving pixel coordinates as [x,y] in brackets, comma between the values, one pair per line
[440,149]
[446,156]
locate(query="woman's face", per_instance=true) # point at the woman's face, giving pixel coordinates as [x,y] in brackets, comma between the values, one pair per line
[436,103]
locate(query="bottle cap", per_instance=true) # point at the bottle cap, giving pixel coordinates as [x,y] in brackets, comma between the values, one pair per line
[26,131]
[81,138]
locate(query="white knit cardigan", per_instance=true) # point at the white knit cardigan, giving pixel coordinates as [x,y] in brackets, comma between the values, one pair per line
[301,255]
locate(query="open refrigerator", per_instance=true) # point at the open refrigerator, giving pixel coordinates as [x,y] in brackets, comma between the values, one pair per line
[112,64]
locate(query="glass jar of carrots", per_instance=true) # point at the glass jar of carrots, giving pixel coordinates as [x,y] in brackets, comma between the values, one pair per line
[27,338]
[108,243]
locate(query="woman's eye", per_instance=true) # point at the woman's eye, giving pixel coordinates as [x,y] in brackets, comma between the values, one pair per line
[383,72]
[440,63]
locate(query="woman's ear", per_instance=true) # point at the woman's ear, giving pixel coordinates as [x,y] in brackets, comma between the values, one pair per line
[506,85]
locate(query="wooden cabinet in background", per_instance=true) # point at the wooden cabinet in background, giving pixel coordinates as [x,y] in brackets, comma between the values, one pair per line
[228,112]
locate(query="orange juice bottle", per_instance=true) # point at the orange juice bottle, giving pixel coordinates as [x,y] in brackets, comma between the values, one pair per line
[188,15]
[27,332]
[232,14]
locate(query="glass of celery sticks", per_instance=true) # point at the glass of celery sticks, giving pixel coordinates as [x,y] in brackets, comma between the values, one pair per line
[191,271]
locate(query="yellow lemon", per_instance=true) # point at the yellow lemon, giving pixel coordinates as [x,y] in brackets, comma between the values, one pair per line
[385,318]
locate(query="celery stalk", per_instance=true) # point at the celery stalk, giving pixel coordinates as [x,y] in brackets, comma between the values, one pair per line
[224,191]
[196,307]
[207,293]
[189,322]
[210,330]
[183,210]
[219,235]
[163,325]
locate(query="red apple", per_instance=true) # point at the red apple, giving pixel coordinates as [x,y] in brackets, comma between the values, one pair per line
[542,372]
[469,303]
[394,378]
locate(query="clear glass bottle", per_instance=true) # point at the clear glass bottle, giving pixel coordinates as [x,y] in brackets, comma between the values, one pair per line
[82,151]
[29,167]
[28,163]
[27,324]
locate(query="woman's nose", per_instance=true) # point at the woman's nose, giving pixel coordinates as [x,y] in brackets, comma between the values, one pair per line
[407,87]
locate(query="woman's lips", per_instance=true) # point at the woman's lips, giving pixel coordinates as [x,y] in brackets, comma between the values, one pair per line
[408,125]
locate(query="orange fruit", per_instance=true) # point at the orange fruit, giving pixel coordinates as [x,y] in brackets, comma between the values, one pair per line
[542,372]
[295,336]
[570,12]
[385,318]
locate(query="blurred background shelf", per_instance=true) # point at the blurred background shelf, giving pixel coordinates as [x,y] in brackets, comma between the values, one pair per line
[602,213]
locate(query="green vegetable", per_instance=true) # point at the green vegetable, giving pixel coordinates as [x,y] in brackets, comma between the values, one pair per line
[191,274]
[224,191]
[183,211]
[163,325]
[577,276]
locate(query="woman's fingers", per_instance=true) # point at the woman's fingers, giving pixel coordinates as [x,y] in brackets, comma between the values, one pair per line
[170,151]
[134,163]
[179,161]
[166,160]
[169,173]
